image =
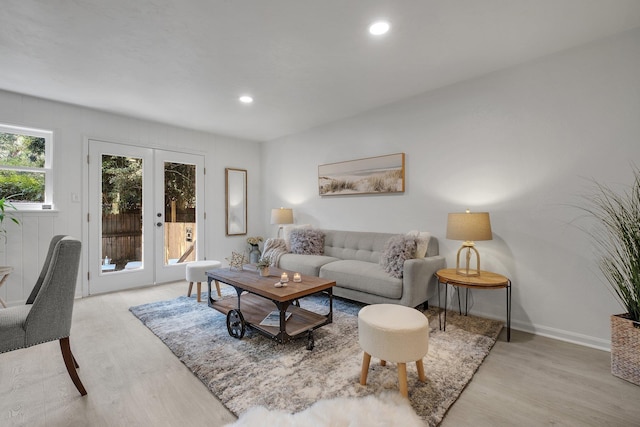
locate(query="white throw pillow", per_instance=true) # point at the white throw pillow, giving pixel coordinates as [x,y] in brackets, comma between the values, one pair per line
[286,233]
[423,242]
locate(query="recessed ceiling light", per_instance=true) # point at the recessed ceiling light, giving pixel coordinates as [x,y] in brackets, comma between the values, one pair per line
[246,99]
[378,28]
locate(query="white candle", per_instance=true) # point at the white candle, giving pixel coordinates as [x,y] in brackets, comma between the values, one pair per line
[284,277]
[297,277]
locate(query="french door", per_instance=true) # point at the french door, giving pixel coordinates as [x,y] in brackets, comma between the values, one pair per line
[146,215]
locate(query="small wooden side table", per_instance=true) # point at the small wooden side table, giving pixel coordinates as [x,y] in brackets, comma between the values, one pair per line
[4,272]
[486,280]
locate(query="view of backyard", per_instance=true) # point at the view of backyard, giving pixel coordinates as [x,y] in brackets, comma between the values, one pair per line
[22,158]
[122,236]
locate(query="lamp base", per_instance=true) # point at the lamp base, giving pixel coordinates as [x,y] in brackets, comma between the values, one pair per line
[467,271]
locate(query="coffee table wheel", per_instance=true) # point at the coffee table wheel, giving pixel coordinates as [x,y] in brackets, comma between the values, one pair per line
[310,342]
[235,324]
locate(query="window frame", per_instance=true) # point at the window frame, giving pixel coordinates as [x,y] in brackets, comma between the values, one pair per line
[47,135]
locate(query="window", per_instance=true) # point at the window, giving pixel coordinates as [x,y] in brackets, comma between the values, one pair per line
[25,166]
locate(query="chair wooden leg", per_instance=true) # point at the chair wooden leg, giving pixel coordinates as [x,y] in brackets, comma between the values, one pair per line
[402,379]
[366,359]
[218,288]
[69,362]
[189,291]
[199,288]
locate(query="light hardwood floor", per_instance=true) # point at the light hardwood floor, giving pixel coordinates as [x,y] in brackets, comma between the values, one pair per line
[133,379]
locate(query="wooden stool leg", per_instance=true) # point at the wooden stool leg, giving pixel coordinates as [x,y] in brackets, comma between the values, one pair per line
[199,287]
[189,291]
[402,379]
[218,288]
[383,362]
[366,359]
[420,367]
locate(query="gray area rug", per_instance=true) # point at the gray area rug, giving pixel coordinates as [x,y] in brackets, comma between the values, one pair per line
[256,371]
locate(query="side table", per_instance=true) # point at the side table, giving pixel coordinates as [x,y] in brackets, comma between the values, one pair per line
[4,272]
[486,280]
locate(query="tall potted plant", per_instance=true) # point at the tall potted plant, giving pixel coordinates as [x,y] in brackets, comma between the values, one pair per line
[4,205]
[617,239]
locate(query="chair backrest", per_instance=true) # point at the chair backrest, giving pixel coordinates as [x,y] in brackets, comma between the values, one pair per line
[45,268]
[50,315]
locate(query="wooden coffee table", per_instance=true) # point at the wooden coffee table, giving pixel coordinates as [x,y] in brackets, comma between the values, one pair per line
[257,297]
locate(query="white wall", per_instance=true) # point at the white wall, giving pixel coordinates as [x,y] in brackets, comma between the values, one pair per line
[520,143]
[72,125]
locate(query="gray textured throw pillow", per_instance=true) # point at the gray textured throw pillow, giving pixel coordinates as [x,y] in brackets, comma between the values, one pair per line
[306,242]
[398,249]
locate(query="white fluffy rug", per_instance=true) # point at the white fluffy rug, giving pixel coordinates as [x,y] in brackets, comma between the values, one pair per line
[388,409]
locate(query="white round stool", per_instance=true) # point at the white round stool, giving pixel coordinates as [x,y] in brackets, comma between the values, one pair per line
[196,271]
[393,333]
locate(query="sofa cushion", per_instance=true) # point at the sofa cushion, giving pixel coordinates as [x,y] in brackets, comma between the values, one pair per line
[422,239]
[362,276]
[356,245]
[308,265]
[286,232]
[397,250]
[307,242]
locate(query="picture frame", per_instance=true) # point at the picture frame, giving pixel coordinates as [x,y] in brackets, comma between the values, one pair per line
[371,175]
[235,201]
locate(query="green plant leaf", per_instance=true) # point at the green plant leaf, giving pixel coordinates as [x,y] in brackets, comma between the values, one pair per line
[617,239]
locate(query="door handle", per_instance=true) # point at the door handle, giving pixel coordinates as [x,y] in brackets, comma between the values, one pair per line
[159,224]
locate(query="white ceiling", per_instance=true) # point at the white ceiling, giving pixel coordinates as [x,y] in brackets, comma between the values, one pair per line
[306,62]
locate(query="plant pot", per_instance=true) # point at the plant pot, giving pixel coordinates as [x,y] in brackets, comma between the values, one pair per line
[254,254]
[264,272]
[625,342]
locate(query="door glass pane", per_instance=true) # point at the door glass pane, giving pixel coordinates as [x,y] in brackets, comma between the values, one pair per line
[179,212]
[121,213]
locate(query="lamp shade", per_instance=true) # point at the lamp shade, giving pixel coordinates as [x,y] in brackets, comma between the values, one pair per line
[282,216]
[469,226]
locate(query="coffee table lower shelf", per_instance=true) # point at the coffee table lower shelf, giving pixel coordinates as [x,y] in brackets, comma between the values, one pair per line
[255,308]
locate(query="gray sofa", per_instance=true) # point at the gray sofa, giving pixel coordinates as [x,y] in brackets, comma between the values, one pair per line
[352,259]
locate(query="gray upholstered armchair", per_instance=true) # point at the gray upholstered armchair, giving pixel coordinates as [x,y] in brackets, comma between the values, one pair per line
[47,314]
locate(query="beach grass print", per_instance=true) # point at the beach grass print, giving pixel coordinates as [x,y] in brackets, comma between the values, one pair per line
[373,175]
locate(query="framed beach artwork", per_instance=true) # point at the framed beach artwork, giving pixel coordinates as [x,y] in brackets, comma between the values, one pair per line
[373,175]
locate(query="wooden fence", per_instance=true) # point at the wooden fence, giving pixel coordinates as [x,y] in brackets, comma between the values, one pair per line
[179,238]
[122,239]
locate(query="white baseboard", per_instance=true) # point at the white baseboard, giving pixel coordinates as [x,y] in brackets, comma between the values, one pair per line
[558,334]
[544,331]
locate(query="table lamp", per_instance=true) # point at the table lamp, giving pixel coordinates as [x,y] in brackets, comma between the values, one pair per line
[468,226]
[281,216]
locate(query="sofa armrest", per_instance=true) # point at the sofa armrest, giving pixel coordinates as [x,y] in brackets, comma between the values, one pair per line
[418,275]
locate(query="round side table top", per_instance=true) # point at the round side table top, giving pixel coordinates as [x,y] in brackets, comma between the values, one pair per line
[486,279]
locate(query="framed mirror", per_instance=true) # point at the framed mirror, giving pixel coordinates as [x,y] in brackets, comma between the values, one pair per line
[236,201]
